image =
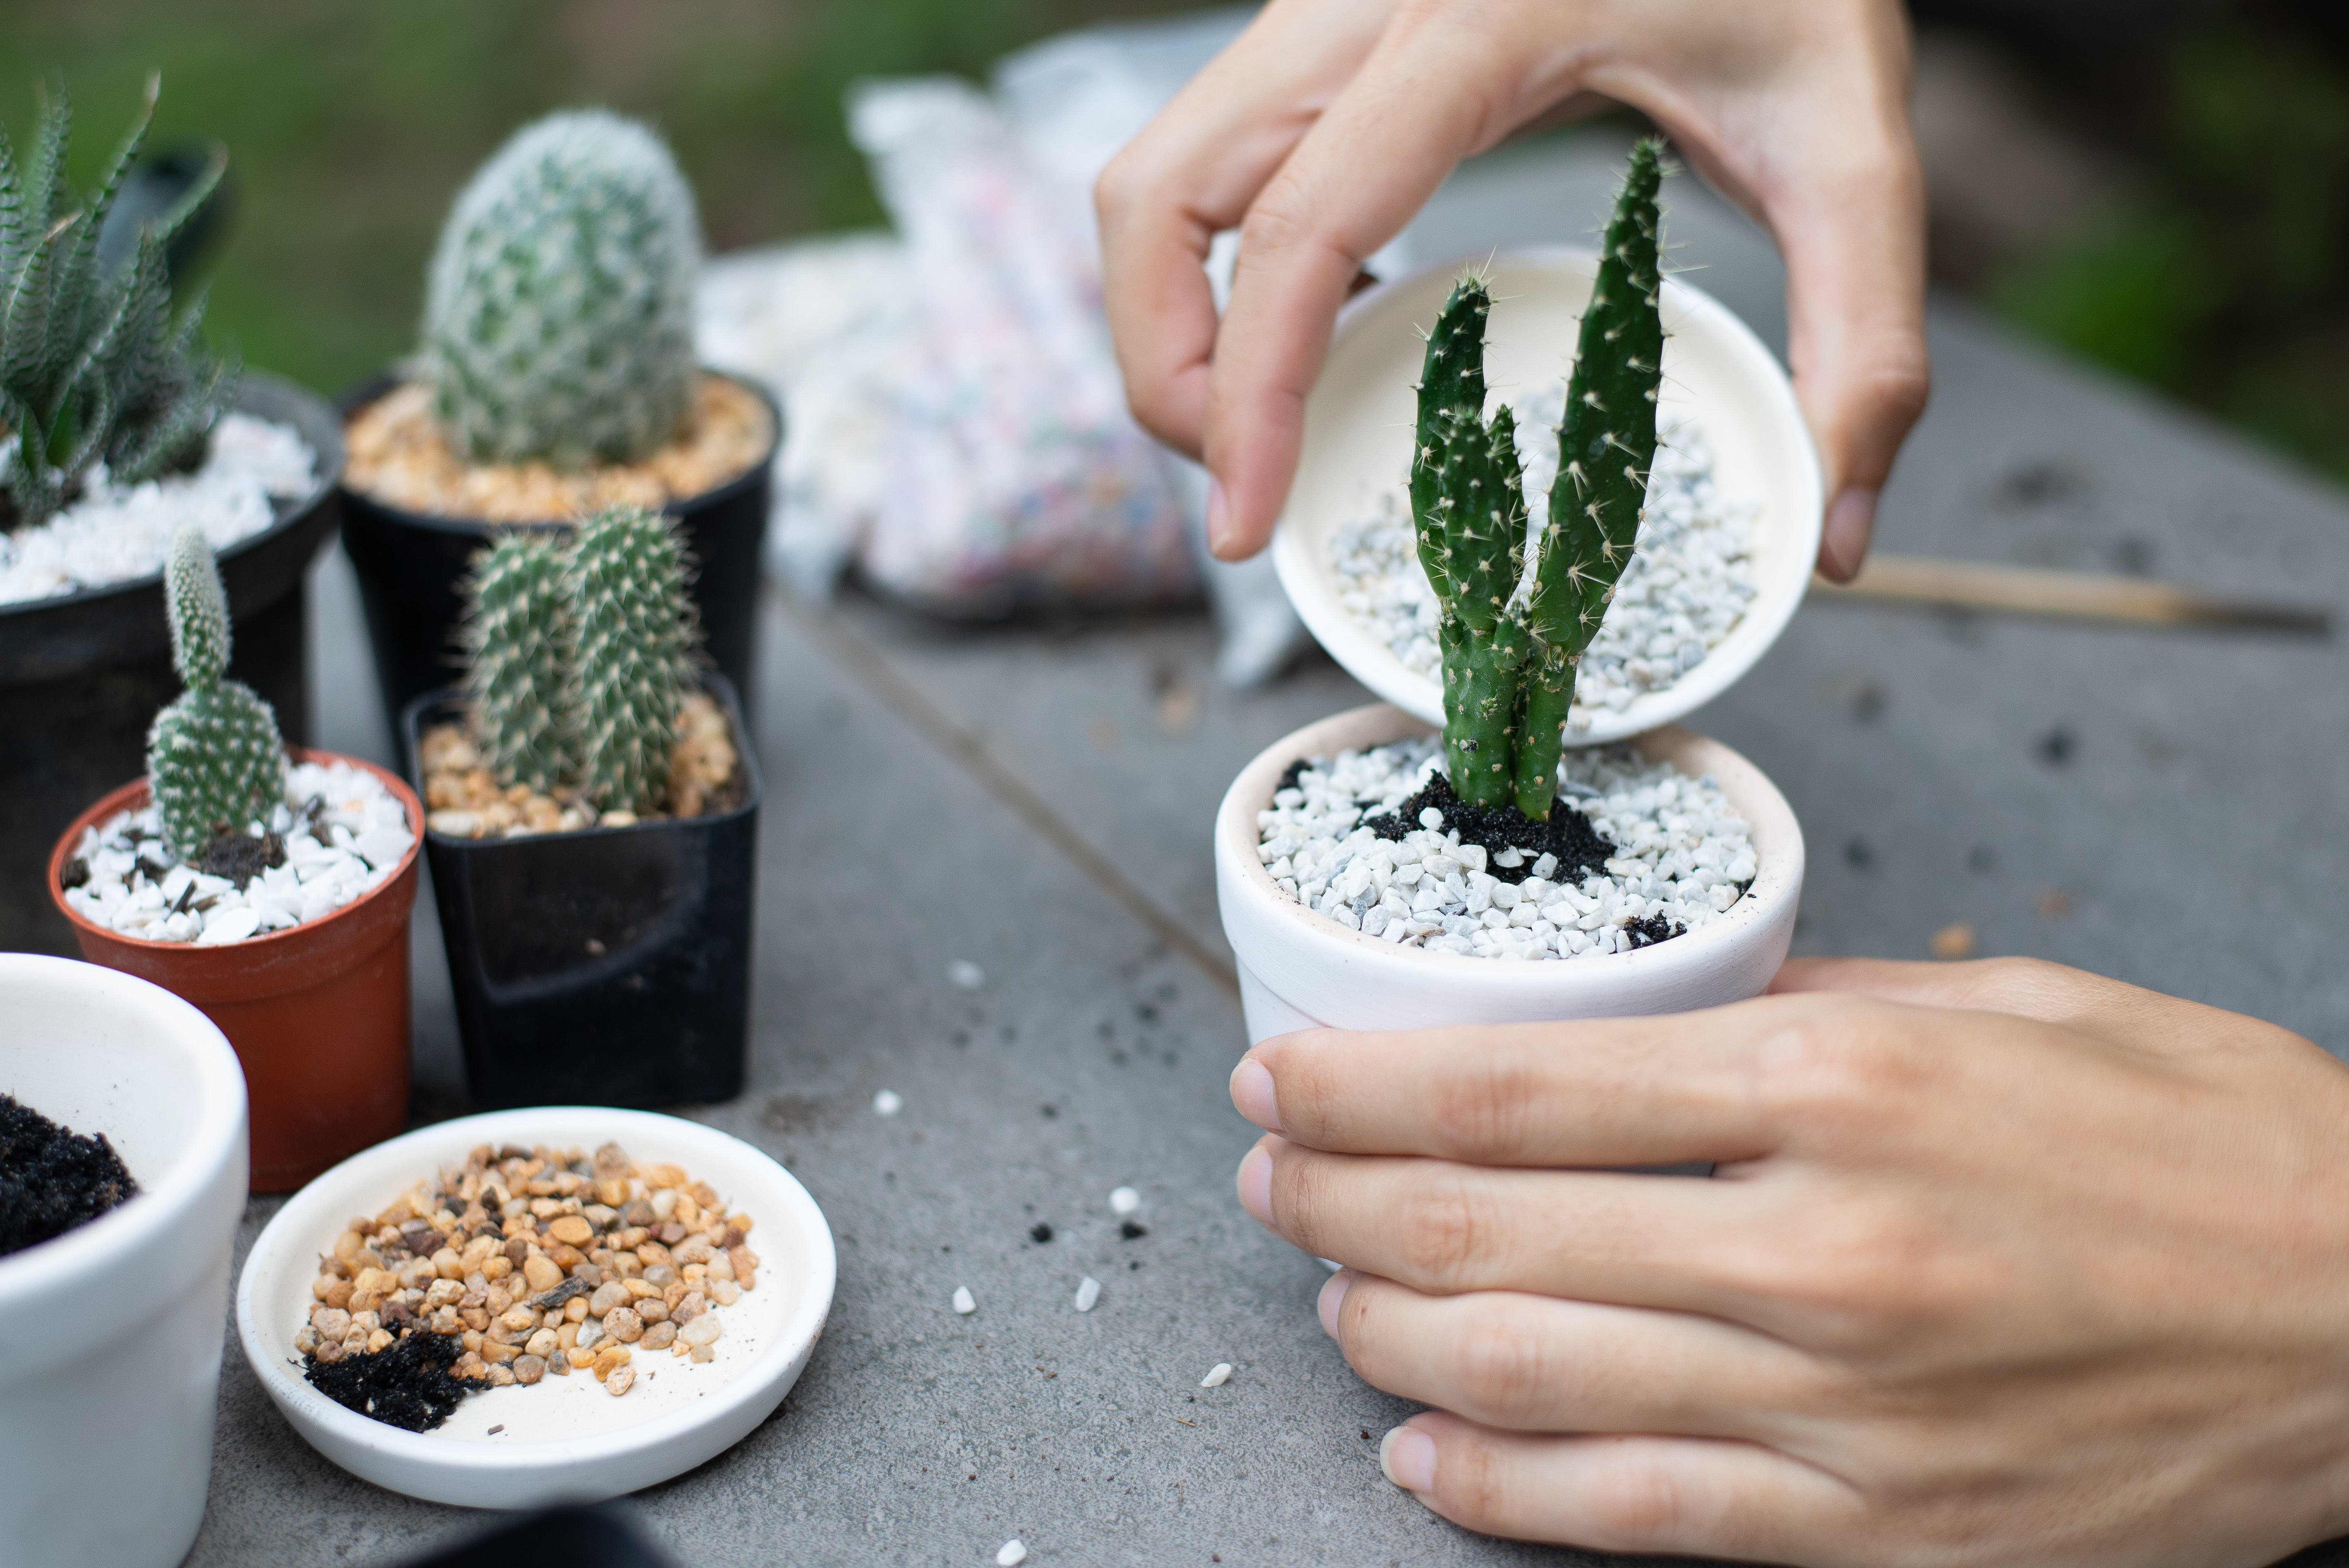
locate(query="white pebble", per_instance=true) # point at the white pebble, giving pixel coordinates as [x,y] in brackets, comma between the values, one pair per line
[1012,1555]
[964,1302]
[966,974]
[1124,1201]
[888,1102]
[1217,1376]
[1088,1293]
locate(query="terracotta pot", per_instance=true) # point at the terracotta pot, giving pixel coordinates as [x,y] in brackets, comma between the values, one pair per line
[317,1013]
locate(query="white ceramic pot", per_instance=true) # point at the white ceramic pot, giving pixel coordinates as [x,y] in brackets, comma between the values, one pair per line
[1357,433]
[564,1439]
[110,1334]
[1299,970]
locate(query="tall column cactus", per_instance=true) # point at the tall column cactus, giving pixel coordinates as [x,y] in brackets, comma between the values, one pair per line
[558,322]
[1510,648]
[633,657]
[214,759]
[517,637]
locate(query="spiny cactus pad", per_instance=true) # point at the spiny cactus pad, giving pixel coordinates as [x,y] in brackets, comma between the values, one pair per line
[517,637]
[1510,648]
[559,318]
[214,759]
[632,654]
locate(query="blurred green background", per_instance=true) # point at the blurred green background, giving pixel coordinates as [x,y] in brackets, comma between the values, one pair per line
[2207,254]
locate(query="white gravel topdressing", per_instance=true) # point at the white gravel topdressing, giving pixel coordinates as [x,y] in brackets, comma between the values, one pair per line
[1683,854]
[1686,588]
[356,837]
[116,533]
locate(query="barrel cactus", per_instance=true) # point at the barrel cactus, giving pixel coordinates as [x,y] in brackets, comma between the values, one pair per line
[214,759]
[558,324]
[633,655]
[517,636]
[1510,644]
[95,364]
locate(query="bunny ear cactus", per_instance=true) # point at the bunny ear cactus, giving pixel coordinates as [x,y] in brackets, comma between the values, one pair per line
[559,320]
[95,365]
[1511,647]
[214,759]
[517,634]
[632,661]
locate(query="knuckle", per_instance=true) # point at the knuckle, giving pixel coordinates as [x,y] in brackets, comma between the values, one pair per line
[1503,1369]
[1481,1108]
[1639,1498]
[1440,1228]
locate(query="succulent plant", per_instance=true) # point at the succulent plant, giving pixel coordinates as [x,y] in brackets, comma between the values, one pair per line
[214,759]
[559,318]
[95,365]
[1511,645]
[517,636]
[632,656]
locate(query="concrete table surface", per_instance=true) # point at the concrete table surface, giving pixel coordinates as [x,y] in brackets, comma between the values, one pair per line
[2161,806]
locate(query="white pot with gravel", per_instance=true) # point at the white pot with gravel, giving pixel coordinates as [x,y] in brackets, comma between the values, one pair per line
[1702,843]
[110,1332]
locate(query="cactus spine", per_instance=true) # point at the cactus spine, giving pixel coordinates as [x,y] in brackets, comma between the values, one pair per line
[1510,648]
[214,759]
[632,661]
[559,318]
[517,636]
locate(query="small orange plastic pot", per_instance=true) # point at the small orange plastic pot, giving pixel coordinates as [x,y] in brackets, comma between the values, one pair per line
[317,1013]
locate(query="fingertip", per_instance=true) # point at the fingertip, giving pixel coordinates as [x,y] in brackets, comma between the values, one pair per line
[1255,1181]
[1407,1456]
[1333,1298]
[1254,1095]
[1844,537]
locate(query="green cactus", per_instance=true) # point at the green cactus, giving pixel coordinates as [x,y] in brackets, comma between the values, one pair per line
[632,658]
[1510,647]
[95,365]
[559,320]
[517,635]
[214,759]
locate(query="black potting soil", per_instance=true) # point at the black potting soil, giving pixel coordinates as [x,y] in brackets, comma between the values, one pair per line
[52,1179]
[1654,929]
[406,1384]
[241,856]
[1567,834]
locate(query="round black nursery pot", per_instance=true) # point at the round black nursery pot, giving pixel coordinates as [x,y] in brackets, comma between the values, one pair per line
[607,966]
[411,566]
[82,674]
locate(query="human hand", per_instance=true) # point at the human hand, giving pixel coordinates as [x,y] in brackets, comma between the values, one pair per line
[1327,124]
[2001,1262]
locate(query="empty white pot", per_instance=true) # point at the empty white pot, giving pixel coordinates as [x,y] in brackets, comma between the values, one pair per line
[1298,969]
[110,1334]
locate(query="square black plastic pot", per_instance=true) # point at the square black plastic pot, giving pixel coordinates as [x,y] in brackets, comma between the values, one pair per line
[607,966]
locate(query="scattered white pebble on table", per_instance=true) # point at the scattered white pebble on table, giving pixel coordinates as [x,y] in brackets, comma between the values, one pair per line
[964,1302]
[116,533]
[1217,1376]
[342,830]
[1124,1201]
[1682,858]
[966,974]
[1011,1555]
[888,1102]
[1088,1293]
[1686,588]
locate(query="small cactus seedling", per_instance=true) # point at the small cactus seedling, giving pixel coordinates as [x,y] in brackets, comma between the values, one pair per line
[517,637]
[1510,646]
[632,658]
[559,318]
[95,366]
[214,759]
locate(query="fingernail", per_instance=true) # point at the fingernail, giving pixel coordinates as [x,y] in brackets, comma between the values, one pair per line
[1252,1091]
[1333,1296]
[1256,1185]
[1218,523]
[1408,1456]
[1844,538]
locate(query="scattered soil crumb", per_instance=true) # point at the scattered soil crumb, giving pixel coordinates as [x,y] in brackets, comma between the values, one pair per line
[52,1179]
[407,1384]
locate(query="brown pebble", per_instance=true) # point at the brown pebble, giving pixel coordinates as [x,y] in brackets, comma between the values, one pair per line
[658,1336]
[566,1256]
[577,1356]
[528,1369]
[623,1324]
[493,1352]
[652,1254]
[378,1340]
[543,1343]
[576,1309]
[572,1228]
[341,1294]
[639,1289]
[330,1351]
[672,1233]
[469,1366]
[607,1358]
[652,1309]
[609,1296]
[622,1379]
[516,1251]
[496,1266]
[501,1377]
[689,1306]
[520,1320]
[746,1265]
[542,1273]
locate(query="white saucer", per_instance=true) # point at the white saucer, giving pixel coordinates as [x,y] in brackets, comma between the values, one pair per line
[564,1439]
[1357,433]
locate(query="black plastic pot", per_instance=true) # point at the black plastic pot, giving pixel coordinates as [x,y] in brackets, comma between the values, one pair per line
[608,966]
[81,676]
[411,566]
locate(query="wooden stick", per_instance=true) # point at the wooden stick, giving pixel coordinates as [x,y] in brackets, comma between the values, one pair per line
[2077,596]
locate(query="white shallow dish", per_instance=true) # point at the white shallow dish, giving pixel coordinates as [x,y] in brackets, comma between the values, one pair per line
[1359,418]
[564,1440]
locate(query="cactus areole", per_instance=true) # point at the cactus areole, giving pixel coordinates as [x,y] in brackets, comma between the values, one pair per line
[1511,638]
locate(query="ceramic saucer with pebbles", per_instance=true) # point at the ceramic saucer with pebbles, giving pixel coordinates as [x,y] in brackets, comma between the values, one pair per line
[511,1308]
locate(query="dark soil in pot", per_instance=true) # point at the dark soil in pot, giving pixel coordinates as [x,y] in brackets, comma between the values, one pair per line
[411,565]
[607,965]
[52,1179]
[83,674]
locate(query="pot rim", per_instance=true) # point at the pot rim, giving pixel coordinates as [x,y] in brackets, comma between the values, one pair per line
[1777,839]
[123,797]
[372,388]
